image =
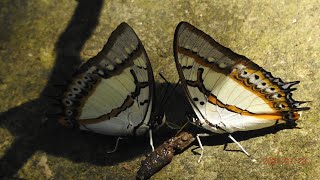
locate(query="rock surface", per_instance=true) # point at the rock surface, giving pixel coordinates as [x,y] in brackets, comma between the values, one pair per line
[43,41]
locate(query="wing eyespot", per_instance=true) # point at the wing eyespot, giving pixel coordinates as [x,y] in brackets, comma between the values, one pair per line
[243,74]
[79,82]
[279,106]
[87,78]
[67,102]
[71,95]
[76,90]
[69,112]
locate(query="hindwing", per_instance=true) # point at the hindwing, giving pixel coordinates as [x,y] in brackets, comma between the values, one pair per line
[228,90]
[112,93]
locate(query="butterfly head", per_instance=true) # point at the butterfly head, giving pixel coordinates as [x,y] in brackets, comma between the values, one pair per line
[158,121]
[155,123]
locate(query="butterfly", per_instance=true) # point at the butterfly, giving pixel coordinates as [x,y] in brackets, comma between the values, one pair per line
[227,91]
[113,92]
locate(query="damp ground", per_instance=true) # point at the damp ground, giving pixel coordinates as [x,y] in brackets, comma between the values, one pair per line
[44,41]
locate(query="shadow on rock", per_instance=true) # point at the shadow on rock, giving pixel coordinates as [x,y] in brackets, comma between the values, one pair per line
[25,122]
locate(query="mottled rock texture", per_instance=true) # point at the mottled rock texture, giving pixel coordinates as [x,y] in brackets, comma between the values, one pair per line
[44,41]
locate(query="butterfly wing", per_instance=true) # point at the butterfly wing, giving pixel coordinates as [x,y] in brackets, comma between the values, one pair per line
[227,91]
[112,93]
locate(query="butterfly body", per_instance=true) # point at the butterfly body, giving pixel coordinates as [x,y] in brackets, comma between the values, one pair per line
[227,91]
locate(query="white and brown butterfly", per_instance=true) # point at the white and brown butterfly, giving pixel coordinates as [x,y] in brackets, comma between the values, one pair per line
[227,91]
[113,92]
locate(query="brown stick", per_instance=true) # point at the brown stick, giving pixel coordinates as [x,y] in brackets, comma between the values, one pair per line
[163,155]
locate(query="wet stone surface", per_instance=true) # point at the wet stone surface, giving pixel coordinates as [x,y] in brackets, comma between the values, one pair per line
[44,41]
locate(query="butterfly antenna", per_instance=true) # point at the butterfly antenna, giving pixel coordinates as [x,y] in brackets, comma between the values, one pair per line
[182,128]
[163,78]
[169,95]
[164,94]
[166,89]
[165,98]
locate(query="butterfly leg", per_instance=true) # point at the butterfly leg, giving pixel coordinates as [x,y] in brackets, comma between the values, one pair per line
[115,147]
[235,141]
[151,139]
[200,144]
